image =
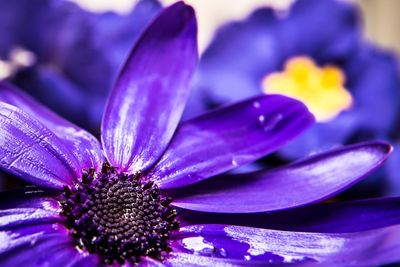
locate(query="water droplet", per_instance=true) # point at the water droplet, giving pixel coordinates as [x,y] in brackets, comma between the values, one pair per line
[247,257]
[234,163]
[270,123]
[223,253]
[256,104]
[55,226]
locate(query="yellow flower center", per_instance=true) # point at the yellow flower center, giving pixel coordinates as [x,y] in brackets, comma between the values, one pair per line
[321,89]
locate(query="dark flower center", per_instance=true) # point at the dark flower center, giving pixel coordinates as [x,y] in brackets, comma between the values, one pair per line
[116,216]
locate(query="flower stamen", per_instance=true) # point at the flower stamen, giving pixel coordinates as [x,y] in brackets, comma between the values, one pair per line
[321,89]
[116,216]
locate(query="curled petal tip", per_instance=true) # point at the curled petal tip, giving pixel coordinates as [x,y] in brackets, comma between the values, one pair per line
[183,16]
[382,147]
[181,6]
[386,148]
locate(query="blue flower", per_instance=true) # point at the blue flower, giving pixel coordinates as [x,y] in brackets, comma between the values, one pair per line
[139,197]
[77,53]
[314,52]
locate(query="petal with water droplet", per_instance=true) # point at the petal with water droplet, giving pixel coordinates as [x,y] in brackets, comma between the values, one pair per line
[313,179]
[229,137]
[279,247]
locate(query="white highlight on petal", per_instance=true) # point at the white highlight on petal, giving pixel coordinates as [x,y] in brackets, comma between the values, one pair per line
[22,57]
[283,244]
[18,58]
[5,69]
[9,239]
[196,243]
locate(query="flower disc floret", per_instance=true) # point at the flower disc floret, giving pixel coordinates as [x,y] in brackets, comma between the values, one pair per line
[116,216]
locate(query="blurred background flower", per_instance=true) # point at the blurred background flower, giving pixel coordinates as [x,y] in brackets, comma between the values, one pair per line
[67,53]
[66,56]
[314,51]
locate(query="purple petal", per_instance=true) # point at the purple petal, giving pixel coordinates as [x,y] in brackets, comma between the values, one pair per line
[149,262]
[29,206]
[87,261]
[82,144]
[42,245]
[315,178]
[232,136]
[367,248]
[338,217]
[32,152]
[149,96]
[27,236]
[192,260]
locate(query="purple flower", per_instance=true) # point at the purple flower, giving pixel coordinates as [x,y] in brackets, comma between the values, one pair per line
[252,56]
[244,55]
[62,36]
[96,204]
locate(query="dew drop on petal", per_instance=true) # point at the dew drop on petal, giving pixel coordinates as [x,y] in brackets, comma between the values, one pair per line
[270,123]
[256,104]
[261,119]
[223,253]
[234,162]
[33,242]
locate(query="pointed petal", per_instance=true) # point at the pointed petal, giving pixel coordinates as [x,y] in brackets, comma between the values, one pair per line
[337,217]
[32,152]
[28,206]
[193,260]
[42,245]
[229,137]
[85,147]
[149,96]
[278,247]
[313,179]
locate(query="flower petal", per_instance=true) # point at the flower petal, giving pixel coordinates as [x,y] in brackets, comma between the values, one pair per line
[392,172]
[316,178]
[193,260]
[229,137]
[374,112]
[243,52]
[32,152]
[277,247]
[337,217]
[150,262]
[56,91]
[224,75]
[28,206]
[87,261]
[82,144]
[377,110]
[336,23]
[149,96]
[42,245]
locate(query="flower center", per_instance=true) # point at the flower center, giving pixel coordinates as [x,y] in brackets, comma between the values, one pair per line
[321,89]
[119,218]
